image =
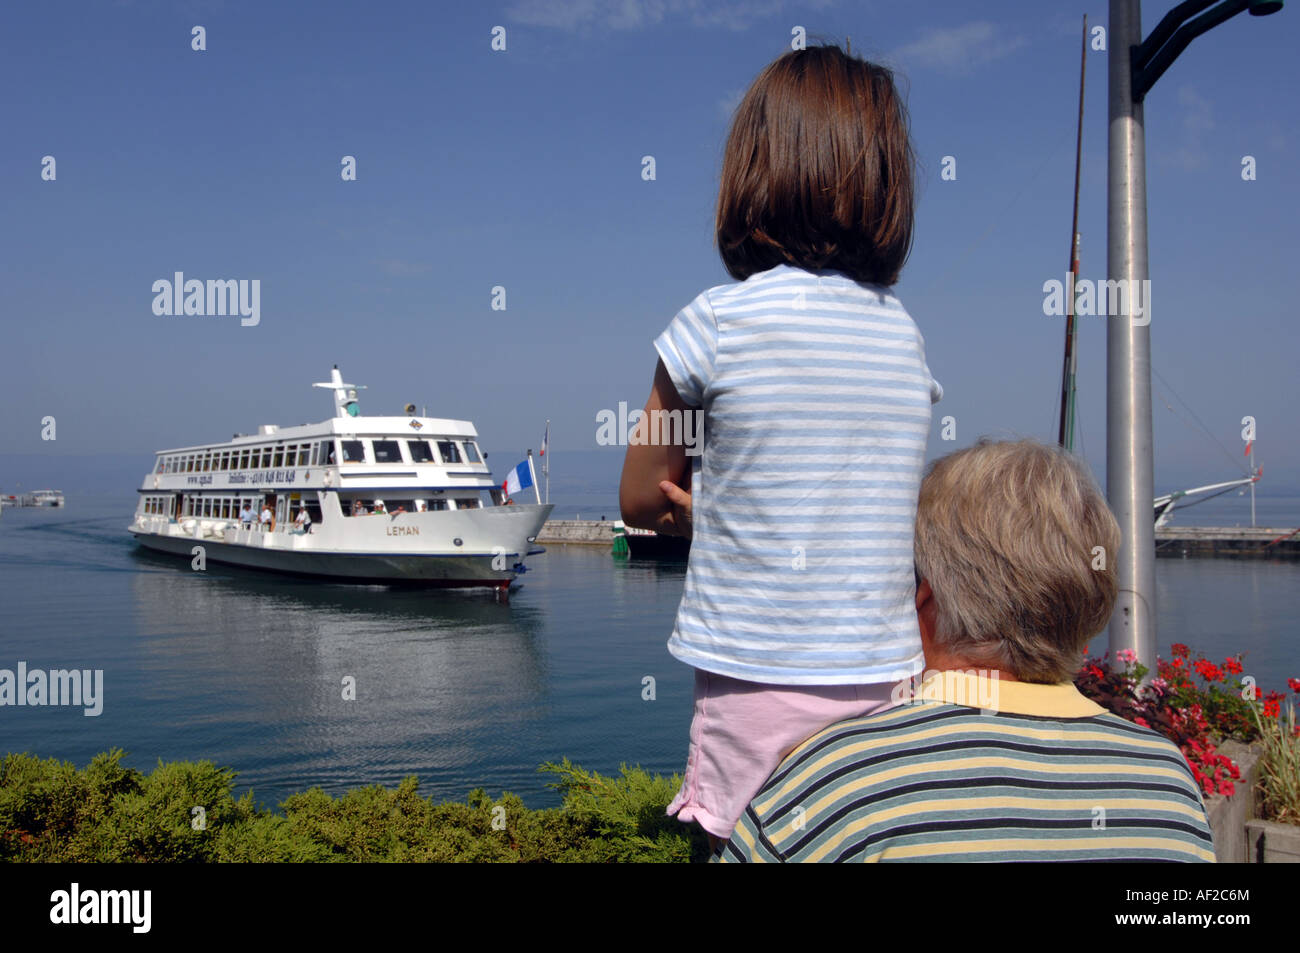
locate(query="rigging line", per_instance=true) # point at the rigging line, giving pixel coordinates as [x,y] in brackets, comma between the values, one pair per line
[1228,453]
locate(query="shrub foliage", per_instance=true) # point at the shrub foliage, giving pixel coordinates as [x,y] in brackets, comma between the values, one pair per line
[110,813]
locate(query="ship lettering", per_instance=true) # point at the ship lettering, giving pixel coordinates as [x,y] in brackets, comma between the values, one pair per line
[403,531]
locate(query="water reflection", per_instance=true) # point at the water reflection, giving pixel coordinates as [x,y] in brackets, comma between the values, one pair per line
[262,662]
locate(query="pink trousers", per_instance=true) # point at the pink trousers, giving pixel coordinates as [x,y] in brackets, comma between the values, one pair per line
[741,732]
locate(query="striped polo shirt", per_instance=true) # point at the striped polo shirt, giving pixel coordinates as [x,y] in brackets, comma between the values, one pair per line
[1043,774]
[816,409]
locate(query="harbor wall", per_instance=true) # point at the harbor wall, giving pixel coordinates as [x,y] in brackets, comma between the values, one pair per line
[588,532]
[1170,541]
[1255,542]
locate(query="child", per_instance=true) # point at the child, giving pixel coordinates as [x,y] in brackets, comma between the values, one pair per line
[811,382]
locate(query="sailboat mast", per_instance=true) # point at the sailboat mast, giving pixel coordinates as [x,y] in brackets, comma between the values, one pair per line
[1070,367]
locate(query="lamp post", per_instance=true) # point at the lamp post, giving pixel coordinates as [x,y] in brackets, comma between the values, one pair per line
[1135,65]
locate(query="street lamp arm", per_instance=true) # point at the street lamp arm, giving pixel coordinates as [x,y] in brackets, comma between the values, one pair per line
[1149,47]
[1152,58]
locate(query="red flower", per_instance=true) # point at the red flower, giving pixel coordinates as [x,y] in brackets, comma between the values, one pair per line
[1180,650]
[1294,685]
[1273,705]
[1232,666]
[1208,670]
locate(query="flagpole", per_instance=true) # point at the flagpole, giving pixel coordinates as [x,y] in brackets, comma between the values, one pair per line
[533,473]
[546,459]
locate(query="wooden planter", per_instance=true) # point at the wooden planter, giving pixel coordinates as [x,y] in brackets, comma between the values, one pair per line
[1268,842]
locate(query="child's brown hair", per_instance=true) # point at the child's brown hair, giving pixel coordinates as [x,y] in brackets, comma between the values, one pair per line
[818,170]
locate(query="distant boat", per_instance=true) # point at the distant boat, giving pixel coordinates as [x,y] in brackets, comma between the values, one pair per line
[43,498]
[647,544]
[353,498]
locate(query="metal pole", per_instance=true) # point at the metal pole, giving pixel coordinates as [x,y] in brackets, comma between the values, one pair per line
[1130,486]
[1252,484]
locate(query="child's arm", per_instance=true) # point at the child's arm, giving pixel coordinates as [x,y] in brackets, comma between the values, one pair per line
[646,466]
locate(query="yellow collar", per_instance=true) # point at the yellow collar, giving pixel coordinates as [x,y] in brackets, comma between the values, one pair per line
[975,690]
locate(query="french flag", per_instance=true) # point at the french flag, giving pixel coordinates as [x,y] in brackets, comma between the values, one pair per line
[520,478]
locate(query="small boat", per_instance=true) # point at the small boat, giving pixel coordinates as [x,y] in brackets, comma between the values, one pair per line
[358,499]
[43,498]
[647,544]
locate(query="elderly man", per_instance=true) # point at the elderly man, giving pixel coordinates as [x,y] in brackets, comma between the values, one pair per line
[994,756]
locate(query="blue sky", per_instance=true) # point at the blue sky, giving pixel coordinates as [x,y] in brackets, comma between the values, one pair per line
[522,169]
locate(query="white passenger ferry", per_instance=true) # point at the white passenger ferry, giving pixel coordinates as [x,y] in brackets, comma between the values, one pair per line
[365,499]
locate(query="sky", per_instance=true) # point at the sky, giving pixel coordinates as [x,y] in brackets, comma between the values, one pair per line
[523,169]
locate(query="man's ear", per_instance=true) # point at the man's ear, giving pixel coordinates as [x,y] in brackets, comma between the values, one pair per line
[923,593]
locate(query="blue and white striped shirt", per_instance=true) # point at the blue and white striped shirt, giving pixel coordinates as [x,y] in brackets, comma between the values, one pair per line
[816,400]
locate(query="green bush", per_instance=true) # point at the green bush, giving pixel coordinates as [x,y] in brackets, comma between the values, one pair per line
[109,813]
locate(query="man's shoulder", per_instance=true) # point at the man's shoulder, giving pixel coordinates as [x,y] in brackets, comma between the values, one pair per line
[902,783]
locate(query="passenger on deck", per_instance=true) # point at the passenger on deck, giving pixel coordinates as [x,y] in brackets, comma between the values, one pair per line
[246,515]
[267,518]
[303,522]
[358,508]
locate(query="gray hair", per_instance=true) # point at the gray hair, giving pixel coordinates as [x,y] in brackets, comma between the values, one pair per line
[1019,547]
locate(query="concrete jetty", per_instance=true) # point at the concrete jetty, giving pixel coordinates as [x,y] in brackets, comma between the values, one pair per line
[1265,542]
[586,532]
[1248,541]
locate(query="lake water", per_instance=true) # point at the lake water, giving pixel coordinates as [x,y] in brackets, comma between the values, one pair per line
[246,669]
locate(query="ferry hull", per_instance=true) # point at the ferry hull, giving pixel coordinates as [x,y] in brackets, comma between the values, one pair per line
[498,541]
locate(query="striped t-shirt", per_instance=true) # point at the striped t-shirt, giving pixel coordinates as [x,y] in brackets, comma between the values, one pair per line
[816,408]
[1044,775]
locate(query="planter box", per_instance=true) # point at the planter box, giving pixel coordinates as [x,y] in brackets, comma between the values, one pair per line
[1228,815]
[1268,842]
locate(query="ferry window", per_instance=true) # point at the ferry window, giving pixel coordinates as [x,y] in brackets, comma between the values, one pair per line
[203,463]
[277,459]
[447,450]
[437,504]
[243,460]
[471,503]
[353,451]
[322,451]
[160,466]
[419,450]
[304,455]
[266,457]
[189,464]
[386,451]
[471,452]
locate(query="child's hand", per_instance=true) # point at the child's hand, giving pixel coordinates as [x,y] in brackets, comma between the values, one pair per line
[678,522]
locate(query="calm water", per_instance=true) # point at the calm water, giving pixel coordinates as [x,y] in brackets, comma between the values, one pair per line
[245,669]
